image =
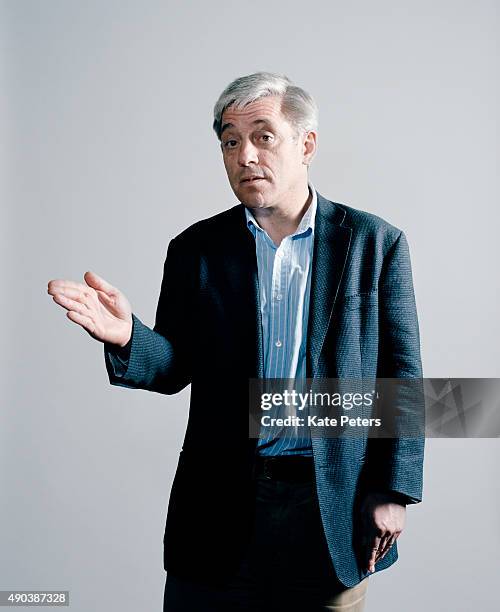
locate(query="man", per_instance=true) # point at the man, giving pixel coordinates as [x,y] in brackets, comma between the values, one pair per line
[286,284]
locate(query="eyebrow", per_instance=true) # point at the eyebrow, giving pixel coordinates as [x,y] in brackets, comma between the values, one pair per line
[230,125]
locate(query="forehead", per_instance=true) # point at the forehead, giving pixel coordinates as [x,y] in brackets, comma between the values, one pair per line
[266,109]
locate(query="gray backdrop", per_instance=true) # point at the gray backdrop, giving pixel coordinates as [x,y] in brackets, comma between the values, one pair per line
[107,152]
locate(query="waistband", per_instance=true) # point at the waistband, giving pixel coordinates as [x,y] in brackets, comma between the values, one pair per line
[291,468]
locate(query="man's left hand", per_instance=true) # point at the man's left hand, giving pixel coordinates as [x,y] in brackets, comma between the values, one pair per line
[383,520]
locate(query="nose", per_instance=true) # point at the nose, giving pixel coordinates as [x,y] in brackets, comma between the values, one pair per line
[247,153]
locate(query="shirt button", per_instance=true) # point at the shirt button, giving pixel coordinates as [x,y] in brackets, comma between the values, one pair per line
[278,343]
[279,296]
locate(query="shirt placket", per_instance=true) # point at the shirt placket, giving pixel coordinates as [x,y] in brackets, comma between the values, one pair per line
[278,306]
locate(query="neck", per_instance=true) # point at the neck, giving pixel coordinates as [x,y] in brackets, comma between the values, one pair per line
[281,220]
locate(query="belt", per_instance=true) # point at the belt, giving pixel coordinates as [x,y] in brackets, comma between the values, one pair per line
[290,468]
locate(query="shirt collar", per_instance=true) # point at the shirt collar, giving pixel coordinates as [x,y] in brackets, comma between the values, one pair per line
[307,221]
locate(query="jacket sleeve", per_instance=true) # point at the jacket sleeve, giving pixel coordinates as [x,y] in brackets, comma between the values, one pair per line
[396,463]
[158,359]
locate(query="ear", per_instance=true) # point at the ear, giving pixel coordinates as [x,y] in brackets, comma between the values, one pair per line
[309,147]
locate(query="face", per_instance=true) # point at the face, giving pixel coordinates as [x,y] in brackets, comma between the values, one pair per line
[266,162]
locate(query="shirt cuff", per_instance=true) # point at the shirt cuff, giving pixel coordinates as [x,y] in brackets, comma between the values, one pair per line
[119,356]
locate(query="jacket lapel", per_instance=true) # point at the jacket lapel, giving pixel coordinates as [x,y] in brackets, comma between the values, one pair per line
[331,246]
[240,265]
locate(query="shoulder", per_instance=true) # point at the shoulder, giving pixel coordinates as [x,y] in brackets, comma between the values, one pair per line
[212,227]
[363,221]
[365,226]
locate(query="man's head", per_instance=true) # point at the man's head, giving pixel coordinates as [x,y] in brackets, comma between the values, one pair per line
[267,128]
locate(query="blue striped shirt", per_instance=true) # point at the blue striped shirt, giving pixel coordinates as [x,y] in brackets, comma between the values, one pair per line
[285,280]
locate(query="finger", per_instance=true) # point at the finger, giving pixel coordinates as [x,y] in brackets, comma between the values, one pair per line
[70,304]
[58,285]
[53,285]
[372,552]
[381,546]
[388,546]
[97,282]
[82,320]
[83,295]
[390,543]
[105,298]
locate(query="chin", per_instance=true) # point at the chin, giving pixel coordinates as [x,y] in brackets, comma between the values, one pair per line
[252,198]
[253,201]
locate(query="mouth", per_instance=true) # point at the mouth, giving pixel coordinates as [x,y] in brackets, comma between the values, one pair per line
[252,179]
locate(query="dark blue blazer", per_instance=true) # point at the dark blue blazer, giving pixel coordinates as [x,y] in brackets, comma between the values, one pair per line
[207,333]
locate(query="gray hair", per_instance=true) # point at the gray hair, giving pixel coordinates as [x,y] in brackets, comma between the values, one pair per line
[297,105]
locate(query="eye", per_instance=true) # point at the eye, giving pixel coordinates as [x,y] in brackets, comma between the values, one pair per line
[267,137]
[230,144]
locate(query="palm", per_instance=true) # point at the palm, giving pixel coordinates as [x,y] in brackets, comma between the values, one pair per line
[112,314]
[101,309]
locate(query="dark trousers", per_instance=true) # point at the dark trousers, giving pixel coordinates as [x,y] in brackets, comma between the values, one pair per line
[286,566]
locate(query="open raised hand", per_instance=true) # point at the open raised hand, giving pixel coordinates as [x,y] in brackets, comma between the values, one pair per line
[101,309]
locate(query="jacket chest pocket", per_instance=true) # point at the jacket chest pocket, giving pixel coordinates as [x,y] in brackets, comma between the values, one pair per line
[354,334]
[358,301]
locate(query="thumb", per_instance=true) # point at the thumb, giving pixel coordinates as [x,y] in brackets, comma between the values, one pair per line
[98,283]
